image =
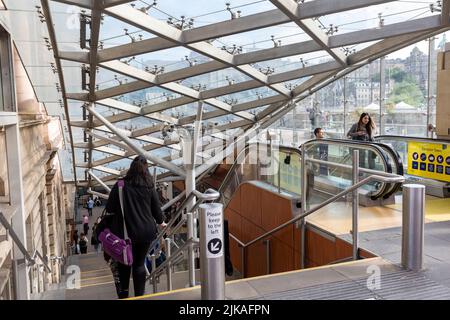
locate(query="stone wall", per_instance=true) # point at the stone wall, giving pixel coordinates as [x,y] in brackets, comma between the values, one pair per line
[3,172]
[48,201]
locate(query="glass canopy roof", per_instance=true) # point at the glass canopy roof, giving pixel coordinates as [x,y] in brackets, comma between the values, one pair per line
[135,67]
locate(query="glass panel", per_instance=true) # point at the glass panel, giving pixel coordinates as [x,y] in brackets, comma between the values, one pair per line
[2,107]
[325,180]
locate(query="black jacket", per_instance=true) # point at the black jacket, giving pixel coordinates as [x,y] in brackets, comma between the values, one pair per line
[142,208]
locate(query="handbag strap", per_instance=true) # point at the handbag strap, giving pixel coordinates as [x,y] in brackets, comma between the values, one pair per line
[121,184]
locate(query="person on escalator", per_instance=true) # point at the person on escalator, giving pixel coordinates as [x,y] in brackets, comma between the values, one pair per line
[320,153]
[142,212]
[363,130]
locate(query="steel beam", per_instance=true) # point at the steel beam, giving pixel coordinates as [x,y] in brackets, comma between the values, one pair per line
[136,148]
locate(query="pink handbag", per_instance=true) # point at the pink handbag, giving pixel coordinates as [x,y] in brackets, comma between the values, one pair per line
[119,249]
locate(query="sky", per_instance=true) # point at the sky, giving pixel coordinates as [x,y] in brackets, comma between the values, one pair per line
[207,11]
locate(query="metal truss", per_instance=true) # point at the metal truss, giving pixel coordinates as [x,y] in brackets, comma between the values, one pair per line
[102,131]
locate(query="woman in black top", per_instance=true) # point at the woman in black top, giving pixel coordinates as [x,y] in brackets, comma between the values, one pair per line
[363,131]
[142,208]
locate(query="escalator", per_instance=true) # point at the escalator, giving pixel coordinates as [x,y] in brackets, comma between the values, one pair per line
[281,168]
[374,156]
[433,172]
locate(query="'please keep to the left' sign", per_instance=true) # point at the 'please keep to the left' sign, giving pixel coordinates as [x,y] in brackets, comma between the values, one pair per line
[214,229]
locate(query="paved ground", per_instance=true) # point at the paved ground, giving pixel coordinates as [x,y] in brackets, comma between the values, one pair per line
[387,244]
[346,281]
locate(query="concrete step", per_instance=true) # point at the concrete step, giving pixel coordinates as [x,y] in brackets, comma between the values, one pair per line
[180,280]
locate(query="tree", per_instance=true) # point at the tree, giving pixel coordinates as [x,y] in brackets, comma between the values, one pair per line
[407,91]
[396,74]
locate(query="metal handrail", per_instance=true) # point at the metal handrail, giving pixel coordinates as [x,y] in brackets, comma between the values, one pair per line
[393,179]
[208,195]
[237,240]
[44,261]
[174,200]
[12,233]
[173,256]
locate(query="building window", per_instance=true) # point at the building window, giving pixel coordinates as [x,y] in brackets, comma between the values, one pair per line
[7,102]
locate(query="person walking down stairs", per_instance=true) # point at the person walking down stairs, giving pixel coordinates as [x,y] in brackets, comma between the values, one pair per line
[83,243]
[94,240]
[85,224]
[90,206]
[142,211]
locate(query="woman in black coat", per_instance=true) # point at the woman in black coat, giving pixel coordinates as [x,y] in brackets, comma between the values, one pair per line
[142,213]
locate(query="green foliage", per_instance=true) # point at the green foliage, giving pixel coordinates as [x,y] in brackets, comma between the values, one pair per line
[396,74]
[407,91]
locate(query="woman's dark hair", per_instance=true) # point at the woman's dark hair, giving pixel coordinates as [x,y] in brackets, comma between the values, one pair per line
[138,173]
[369,126]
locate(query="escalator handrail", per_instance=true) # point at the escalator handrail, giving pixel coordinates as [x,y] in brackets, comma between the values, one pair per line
[379,149]
[398,163]
[374,147]
[391,188]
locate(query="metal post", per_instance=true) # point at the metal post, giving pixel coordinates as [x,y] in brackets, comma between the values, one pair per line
[191,257]
[355,204]
[243,260]
[294,131]
[413,226]
[345,107]
[268,258]
[303,243]
[429,88]
[382,91]
[155,285]
[168,268]
[212,260]
[134,146]
[108,189]
[189,142]
[190,185]
[303,207]
[279,174]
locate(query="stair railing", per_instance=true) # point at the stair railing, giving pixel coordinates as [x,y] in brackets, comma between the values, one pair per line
[376,176]
[191,244]
[31,259]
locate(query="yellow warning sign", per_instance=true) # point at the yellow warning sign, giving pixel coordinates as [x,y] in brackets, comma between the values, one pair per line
[429,160]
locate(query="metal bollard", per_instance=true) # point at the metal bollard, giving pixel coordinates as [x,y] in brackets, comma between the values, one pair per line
[355,204]
[169,266]
[155,285]
[212,259]
[268,256]
[191,256]
[413,226]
